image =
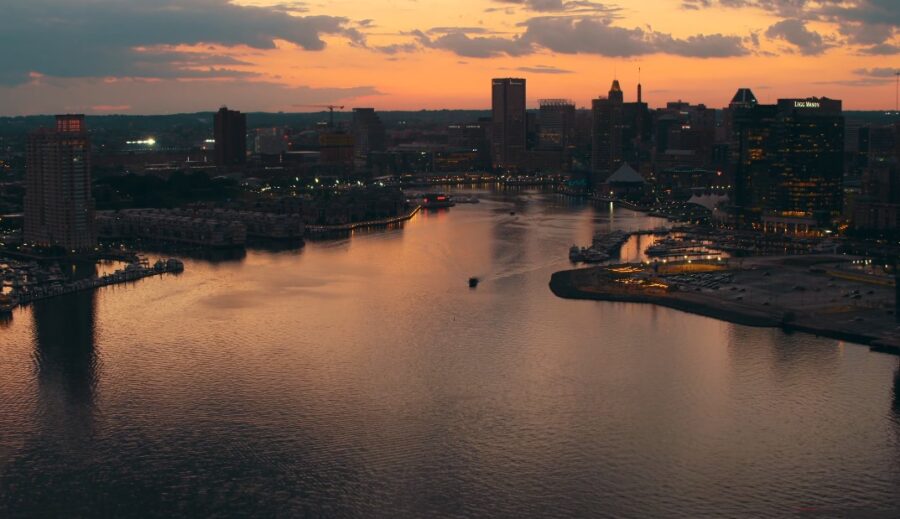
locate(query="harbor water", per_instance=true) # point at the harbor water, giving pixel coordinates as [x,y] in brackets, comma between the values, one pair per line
[363,377]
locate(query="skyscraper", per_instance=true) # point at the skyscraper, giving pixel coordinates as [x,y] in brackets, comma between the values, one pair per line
[556,137]
[508,127]
[368,132]
[809,162]
[230,127]
[557,122]
[606,133]
[753,148]
[59,209]
[789,162]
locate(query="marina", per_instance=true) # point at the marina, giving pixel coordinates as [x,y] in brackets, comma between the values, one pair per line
[604,246]
[25,283]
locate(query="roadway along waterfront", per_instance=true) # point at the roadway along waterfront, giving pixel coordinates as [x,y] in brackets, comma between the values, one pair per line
[363,377]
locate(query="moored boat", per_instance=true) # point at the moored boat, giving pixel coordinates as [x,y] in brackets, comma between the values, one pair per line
[436,201]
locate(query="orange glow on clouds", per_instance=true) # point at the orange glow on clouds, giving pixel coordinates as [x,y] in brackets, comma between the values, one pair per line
[393,54]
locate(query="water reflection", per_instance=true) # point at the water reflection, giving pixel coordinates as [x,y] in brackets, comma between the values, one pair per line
[43,473]
[65,360]
[362,377]
[897,391]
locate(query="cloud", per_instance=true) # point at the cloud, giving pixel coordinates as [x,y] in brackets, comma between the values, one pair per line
[577,35]
[882,49]
[461,44]
[861,82]
[395,48]
[868,77]
[701,46]
[590,35]
[695,4]
[878,72]
[89,38]
[559,6]
[544,69]
[874,23]
[794,31]
[145,96]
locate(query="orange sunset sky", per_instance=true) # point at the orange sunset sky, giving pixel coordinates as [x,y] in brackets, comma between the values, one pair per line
[163,56]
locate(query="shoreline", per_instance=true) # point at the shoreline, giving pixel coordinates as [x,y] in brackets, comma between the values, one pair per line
[317,230]
[564,284]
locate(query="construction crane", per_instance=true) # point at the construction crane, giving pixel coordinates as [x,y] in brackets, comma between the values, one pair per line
[330,108]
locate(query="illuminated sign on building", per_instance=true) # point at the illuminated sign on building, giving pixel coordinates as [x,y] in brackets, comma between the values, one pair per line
[806,104]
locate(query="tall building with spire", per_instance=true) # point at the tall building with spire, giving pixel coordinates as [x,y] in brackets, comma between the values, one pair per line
[619,132]
[59,208]
[606,133]
[615,92]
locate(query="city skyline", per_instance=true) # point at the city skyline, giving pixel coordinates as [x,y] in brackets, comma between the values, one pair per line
[262,55]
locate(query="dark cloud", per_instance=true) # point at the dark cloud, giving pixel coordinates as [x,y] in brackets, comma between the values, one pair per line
[559,6]
[396,48]
[882,49]
[578,35]
[590,35]
[85,38]
[701,46]
[874,23]
[461,44]
[794,31]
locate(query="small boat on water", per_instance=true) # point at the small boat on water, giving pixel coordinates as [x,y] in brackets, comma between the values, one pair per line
[436,201]
[175,265]
[7,304]
[575,254]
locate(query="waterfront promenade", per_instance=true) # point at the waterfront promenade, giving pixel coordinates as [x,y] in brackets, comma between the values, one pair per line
[315,230]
